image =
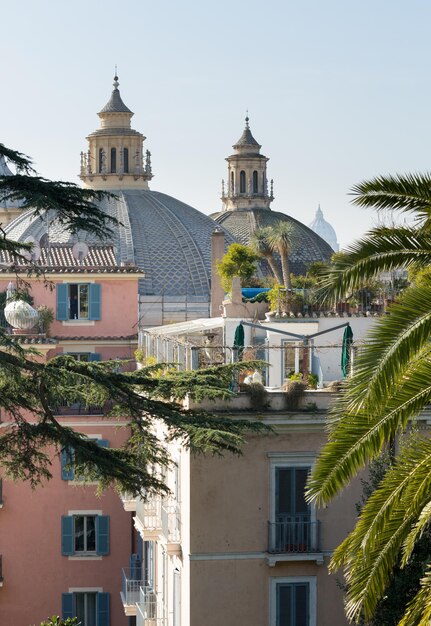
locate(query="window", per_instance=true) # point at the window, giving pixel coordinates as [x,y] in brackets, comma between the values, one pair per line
[101,160]
[232,182]
[78,301]
[149,564]
[126,160]
[85,357]
[90,607]
[293,357]
[293,601]
[242,181]
[177,598]
[293,528]
[113,160]
[255,182]
[67,460]
[85,535]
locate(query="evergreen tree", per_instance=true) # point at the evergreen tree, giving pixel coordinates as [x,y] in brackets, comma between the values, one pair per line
[31,434]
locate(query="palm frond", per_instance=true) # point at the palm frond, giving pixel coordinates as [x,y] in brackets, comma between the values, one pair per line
[419,610]
[372,550]
[382,249]
[408,193]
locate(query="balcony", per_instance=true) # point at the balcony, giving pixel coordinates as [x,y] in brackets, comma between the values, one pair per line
[294,538]
[129,501]
[174,527]
[151,519]
[149,609]
[130,593]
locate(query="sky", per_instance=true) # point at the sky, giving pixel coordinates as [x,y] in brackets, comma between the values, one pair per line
[338,91]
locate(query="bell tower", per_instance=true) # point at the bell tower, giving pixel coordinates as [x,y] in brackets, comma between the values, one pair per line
[247,184]
[115,157]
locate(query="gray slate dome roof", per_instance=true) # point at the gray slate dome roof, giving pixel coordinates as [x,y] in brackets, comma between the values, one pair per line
[308,247]
[168,239]
[115,103]
[247,139]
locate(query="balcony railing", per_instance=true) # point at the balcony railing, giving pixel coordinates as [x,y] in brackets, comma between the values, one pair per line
[132,583]
[150,610]
[77,408]
[294,534]
[152,516]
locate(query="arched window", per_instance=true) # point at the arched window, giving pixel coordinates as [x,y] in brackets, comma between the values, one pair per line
[113,160]
[242,181]
[232,182]
[100,160]
[126,160]
[255,183]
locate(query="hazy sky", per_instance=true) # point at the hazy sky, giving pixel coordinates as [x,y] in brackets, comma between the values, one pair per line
[337,91]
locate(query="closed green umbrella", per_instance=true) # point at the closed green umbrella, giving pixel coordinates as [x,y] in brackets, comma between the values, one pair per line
[345,350]
[238,340]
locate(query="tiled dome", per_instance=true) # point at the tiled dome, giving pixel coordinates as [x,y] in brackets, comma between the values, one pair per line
[308,247]
[169,240]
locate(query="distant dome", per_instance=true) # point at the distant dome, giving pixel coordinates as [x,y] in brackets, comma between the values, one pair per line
[166,238]
[308,247]
[324,229]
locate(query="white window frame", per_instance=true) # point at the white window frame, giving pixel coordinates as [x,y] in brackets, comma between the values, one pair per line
[78,285]
[312,596]
[286,460]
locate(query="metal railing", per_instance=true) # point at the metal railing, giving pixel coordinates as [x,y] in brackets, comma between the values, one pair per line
[294,534]
[150,611]
[132,583]
[77,408]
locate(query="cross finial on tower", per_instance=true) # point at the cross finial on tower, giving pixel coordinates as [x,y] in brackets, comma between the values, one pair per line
[247,119]
[116,83]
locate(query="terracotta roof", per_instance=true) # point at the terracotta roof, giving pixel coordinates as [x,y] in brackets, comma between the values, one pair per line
[59,258]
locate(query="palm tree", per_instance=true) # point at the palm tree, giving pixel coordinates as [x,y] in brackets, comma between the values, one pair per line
[259,244]
[391,385]
[279,238]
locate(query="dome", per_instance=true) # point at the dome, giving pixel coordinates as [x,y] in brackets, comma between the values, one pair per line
[308,247]
[324,229]
[166,238]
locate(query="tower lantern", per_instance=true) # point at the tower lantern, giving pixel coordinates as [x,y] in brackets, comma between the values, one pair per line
[115,157]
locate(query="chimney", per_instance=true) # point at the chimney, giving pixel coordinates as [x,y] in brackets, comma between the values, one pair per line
[217,253]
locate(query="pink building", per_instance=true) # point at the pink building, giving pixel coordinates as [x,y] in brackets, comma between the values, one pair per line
[63,548]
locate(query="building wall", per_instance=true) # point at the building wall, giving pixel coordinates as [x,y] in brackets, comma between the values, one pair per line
[34,570]
[231,500]
[119,304]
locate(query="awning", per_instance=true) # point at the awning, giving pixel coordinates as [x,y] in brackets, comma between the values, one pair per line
[186,328]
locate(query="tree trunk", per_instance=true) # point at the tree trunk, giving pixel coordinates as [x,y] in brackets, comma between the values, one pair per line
[285,266]
[274,269]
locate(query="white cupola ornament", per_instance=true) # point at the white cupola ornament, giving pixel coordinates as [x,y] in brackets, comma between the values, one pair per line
[18,313]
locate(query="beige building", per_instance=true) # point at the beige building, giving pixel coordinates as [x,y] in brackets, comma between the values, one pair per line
[236,542]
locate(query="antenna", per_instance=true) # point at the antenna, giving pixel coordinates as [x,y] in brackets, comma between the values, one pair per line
[80,250]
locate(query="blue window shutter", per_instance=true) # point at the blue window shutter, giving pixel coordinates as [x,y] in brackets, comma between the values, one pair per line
[95,301]
[67,535]
[67,605]
[102,600]
[102,530]
[67,469]
[103,443]
[94,356]
[62,302]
